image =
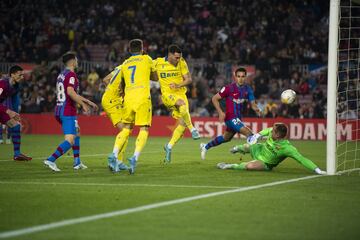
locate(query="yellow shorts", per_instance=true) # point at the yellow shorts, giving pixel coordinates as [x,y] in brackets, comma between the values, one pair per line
[170,100]
[114,109]
[139,114]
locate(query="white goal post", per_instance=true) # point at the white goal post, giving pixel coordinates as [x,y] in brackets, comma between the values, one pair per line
[343,89]
[332,87]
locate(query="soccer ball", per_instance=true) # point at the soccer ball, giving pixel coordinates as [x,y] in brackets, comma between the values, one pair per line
[288,96]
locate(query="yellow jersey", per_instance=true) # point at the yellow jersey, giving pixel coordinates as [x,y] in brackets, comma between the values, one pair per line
[168,73]
[136,72]
[112,90]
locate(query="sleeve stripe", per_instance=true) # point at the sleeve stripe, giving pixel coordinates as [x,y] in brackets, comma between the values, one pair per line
[115,75]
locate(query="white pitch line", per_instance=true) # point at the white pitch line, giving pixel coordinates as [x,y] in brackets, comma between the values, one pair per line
[348,171]
[64,156]
[44,227]
[71,156]
[119,184]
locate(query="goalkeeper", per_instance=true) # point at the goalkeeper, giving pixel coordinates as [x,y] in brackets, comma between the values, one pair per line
[269,154]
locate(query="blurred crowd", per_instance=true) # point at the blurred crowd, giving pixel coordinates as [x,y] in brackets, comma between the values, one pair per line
[270,35]
[247,31]
[38,92]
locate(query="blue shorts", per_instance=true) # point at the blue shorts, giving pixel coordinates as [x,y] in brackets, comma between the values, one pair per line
[69,124]
[234,125]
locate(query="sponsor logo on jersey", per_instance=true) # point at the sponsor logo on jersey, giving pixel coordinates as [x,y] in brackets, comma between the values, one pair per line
[238,100]
[166,75]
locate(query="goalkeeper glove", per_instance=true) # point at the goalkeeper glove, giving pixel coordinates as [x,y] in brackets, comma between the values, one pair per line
[253,138]
[319,171]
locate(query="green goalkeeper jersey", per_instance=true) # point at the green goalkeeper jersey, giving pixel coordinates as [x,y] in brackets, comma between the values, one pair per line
[273,152]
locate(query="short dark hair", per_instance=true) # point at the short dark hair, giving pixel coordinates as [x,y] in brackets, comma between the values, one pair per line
[281,129]
[14,69]
[68,56]
[173,48]
[135,46]
[241,69]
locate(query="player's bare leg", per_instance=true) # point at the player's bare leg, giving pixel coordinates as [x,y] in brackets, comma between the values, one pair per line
[246,131]
[250,137]
[256,165]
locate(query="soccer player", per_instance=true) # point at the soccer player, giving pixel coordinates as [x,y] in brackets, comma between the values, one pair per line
[112,102]
[268,155]
[135,73]
[9,89]
[174,76]
[236,95]
[65,112]
[13,103]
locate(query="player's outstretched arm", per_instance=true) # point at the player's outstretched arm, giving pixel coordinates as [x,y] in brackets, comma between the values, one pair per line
[307,163]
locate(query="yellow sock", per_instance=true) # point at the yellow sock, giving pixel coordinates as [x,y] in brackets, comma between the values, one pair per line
[184,111]
[121,140]
[140,142]
[177,134]
[122,152]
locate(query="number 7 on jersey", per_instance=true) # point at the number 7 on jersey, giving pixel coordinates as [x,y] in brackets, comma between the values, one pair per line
[133,69]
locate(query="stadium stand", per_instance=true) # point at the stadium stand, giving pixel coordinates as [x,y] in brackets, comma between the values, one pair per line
[215,36]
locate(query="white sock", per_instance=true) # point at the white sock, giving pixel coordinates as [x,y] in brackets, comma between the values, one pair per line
[116,151]
[136,154]
[169,146]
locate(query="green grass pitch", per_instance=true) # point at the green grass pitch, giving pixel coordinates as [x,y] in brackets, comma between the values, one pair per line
[30,195]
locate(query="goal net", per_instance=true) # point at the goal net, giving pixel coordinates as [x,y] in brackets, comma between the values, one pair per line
[347,87]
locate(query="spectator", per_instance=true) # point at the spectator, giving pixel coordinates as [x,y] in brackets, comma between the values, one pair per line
[93,77]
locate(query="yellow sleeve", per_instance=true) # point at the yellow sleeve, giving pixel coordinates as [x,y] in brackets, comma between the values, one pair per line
[183,67]
[114,75]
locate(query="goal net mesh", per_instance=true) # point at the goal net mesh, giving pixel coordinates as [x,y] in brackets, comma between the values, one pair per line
[348,86]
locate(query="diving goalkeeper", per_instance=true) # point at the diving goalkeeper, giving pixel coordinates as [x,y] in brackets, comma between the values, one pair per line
[269,154]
